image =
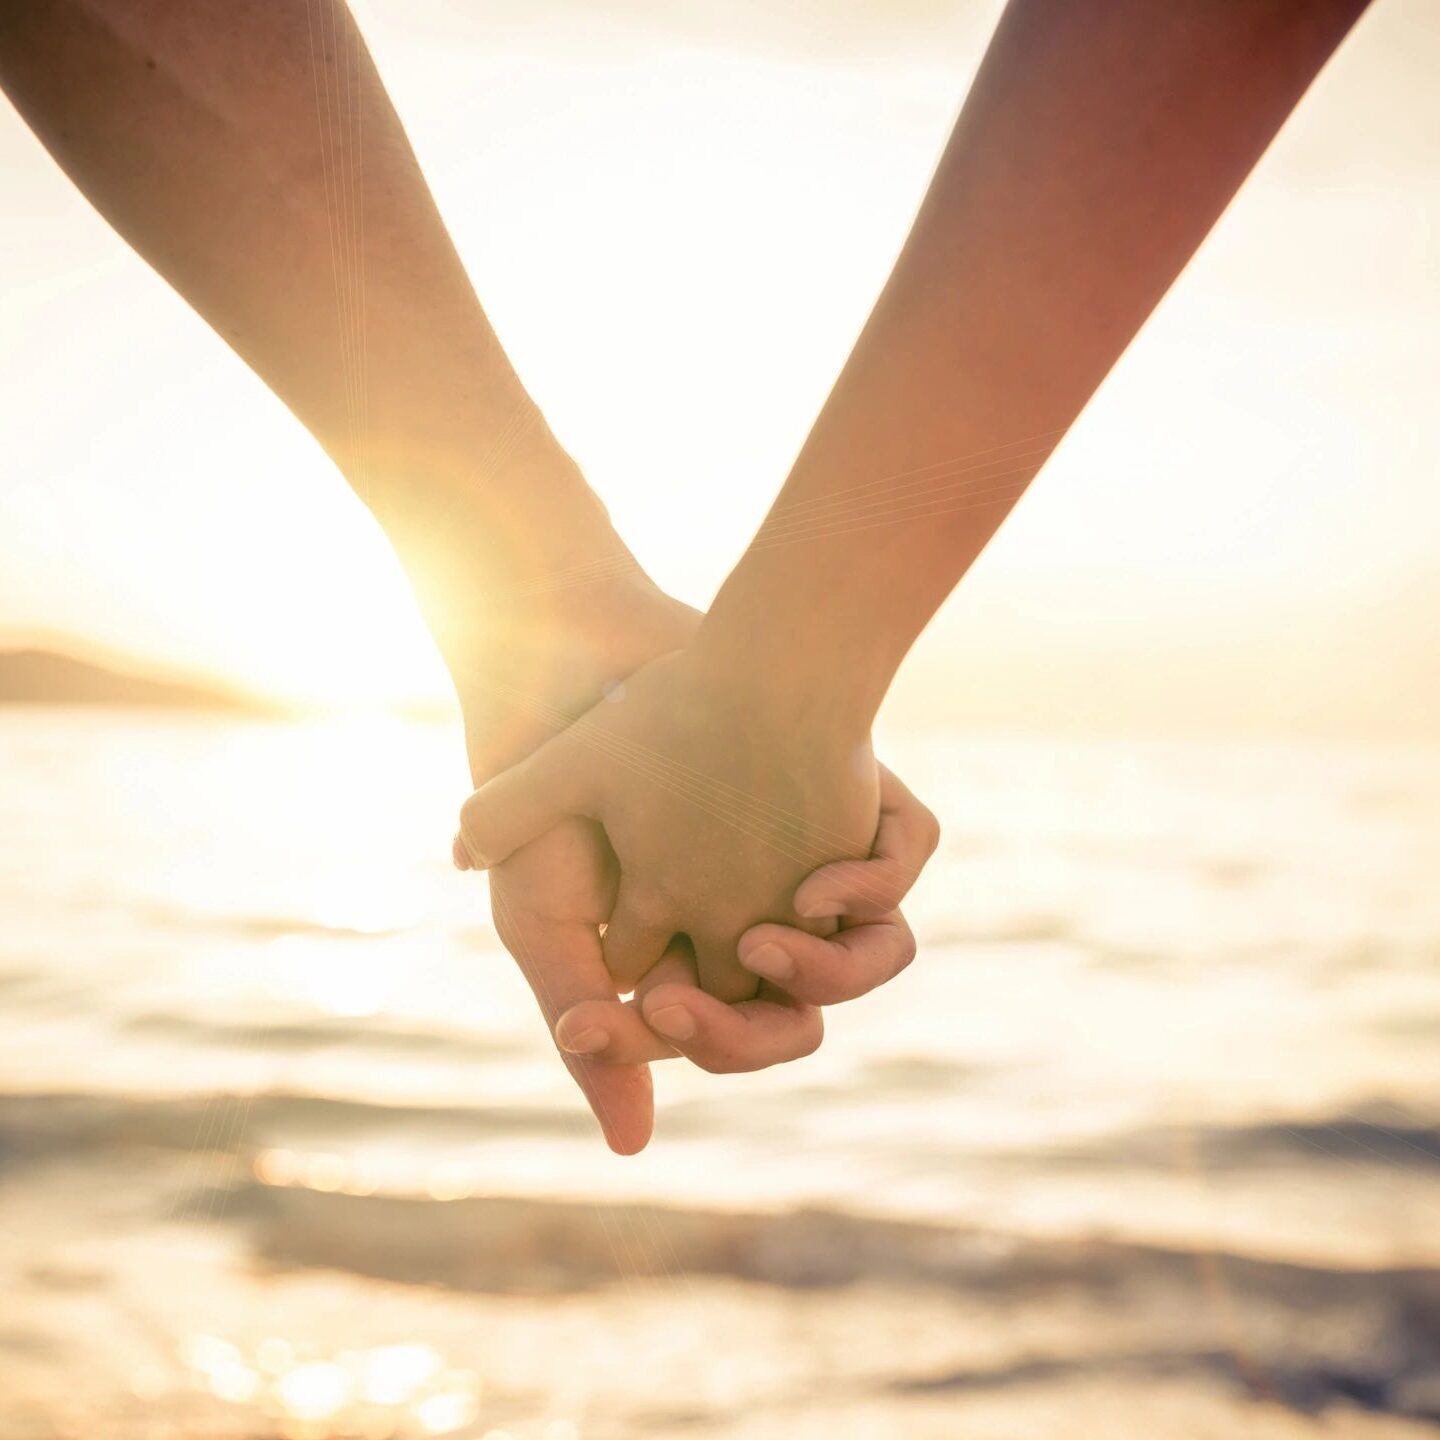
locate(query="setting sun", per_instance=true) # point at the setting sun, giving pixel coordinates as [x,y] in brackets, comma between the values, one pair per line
[680,327]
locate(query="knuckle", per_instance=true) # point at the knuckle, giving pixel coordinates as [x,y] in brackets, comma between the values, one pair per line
[475,816]
[673,891]
[830,991]
[856,977]
[892,878]
[647,906]
[906,946]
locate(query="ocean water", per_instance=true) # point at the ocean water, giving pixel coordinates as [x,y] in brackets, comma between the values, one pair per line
[1145,1143]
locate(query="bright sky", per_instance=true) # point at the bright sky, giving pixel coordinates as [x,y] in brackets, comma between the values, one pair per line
[677,225]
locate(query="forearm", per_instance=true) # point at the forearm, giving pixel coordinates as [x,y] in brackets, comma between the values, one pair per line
[249,152]
[1100,142]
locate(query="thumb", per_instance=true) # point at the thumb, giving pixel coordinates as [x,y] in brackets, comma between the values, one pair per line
[522,803]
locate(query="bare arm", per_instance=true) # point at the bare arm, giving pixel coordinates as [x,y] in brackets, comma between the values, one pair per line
[1100,142]
[247,149]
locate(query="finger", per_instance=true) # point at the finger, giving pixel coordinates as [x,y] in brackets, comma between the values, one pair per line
[821,971]
[636,936]
[905,839]
[719,971]
[562,963]
[522,803]
[621,1097]
[675,967]
[726,1039]
[614,1031]
[611,1032]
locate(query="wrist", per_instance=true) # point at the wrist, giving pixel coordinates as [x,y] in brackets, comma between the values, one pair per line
[758,691]
[493,557]
[796,657]
[534,601]
[539,665]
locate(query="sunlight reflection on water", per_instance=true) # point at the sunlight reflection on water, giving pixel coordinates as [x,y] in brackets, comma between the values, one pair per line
[1167,996]
[387,1390]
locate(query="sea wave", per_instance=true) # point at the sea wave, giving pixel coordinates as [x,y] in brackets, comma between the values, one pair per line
[50,1125]
[319,1034]
[1315,1333]
[500,1243]
[1360,1337]
[1375,1133]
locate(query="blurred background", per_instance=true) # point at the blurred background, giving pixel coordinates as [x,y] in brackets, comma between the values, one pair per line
[1145,1143]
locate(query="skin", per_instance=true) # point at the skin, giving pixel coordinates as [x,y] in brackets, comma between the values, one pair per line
[249,152]
[667,769]
[1098,145]
[799,972]
[552,895]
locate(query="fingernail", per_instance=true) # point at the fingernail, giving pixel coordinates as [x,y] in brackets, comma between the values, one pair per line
[770,962]
[674,1022]
[821,910]
[474,860]
[589,1041]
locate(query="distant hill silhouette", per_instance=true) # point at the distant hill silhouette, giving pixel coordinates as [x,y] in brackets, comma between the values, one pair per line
[47,677]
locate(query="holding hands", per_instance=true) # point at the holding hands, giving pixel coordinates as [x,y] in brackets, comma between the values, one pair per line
[716,807]
[664,843]
[689,810]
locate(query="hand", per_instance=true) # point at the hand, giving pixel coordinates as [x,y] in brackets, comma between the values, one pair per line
[717,800]
[671,1015]
[548,901]
[551,897]
[532,673]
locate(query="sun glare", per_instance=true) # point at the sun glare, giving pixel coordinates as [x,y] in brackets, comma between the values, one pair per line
[680,324]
